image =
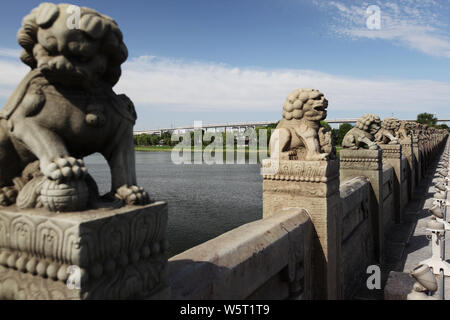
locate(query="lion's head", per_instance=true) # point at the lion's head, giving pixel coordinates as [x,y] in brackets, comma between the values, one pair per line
[72,45]
[408,125]
[369,122]
[305,103]
[390,124]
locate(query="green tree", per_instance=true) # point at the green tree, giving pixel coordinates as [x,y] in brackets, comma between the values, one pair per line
[443,126]
[342,131]
[154,139]
[143,140]
[272,125]
[325,125]
[427,118]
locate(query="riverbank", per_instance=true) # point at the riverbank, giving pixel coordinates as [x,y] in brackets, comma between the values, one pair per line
[169,148]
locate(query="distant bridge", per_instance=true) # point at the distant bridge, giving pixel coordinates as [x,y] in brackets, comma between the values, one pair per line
[237,126]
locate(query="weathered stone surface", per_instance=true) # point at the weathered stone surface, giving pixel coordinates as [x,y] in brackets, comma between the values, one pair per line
[112,254]
[269,259]
[418,160]
[389,199]
[356,163]
[391,151]
[65,109]
[410,167]
[357,234]
[387,133]
[392,155]
[313,185]
[360,160]
[299,135]
[363,134]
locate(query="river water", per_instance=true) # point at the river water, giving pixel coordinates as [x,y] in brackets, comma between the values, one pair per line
[204,200]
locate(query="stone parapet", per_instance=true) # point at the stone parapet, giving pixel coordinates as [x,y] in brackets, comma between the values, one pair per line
[313,185]
[360,159]
[418,159]
[362,162]
[408,153]
[392,155]
[230,265]
[391,151]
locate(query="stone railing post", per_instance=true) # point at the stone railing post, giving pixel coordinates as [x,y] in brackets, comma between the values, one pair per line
[392,155]
[407,151]
[423,147]
[97,254]
[417,159]
[355,163]
[313,185]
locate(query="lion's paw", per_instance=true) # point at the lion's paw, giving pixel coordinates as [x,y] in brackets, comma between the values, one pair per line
[65,168]
[8,196]
[133,195]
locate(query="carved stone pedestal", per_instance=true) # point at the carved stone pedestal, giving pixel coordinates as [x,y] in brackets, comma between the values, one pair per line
[96,254]
[361,162]
[392,155]
[313,185]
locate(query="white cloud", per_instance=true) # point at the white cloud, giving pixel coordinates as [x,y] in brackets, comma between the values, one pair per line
[184,86]
[10,53]
[415,24]
[11,73]
[217,87]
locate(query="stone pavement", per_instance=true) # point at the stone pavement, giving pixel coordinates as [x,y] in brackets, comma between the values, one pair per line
[407,243]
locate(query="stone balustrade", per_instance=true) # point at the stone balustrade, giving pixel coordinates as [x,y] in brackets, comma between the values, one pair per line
[303,207]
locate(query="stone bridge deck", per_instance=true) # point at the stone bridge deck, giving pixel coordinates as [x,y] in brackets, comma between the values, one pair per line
[407,246]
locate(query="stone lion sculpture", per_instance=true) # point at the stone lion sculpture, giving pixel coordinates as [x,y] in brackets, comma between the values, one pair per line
[386,135]
[404,130]
[363,133]
[299,135]
[65,109]
[415,128]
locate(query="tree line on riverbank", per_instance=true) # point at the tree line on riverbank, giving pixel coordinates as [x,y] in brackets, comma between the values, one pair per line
[165,139]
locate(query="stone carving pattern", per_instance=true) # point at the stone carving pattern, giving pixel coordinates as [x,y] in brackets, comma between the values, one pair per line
[126,255]
[309,171]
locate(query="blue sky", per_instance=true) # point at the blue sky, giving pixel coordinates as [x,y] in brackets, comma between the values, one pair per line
[231,61]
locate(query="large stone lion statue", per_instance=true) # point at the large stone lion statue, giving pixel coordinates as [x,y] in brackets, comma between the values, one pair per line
[363,133]
[386,135]
[65,109]
[299,135]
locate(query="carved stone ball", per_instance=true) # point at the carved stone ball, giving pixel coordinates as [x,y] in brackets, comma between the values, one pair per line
[66,196]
